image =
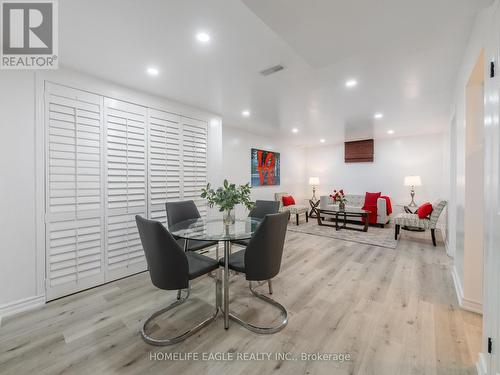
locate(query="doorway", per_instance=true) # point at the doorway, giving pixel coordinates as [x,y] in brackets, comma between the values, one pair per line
[474,187]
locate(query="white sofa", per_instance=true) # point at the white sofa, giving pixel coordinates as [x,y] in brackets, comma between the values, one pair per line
[358,201]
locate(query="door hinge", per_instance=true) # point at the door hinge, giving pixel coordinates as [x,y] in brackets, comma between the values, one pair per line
[490,345]
[492,69]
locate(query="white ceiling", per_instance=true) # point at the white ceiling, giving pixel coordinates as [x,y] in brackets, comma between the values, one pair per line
[405,55]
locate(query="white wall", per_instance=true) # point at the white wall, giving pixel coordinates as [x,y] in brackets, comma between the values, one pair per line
[394,159]
[237,144]
[22,253]
[17,186]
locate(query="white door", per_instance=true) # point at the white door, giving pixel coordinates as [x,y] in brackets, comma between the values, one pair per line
[491,285]
[74,196]
[126,192]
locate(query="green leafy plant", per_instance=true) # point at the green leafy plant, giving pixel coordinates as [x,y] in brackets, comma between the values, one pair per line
[228,196]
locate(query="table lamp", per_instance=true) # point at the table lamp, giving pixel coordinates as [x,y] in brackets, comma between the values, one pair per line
[413,181]
[314,181]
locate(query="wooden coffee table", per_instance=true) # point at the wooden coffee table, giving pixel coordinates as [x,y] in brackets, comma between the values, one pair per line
[342,216]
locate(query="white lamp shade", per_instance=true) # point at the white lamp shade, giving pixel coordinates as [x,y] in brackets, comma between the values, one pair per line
[413,181]
[313,180]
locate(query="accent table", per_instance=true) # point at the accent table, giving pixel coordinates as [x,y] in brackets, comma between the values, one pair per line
[216,230]
[343,215]
[314,205]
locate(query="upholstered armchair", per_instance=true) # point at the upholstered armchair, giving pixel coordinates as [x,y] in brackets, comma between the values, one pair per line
[412,220]
[294,209]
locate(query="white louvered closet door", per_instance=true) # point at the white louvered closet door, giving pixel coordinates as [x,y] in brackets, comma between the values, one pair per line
[126,186]
[164,162]
[74,225]
[194,161]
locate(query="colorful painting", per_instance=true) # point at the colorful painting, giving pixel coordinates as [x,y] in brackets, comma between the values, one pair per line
[265,167]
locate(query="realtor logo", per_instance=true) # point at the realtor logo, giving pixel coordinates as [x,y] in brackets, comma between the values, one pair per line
[29,34]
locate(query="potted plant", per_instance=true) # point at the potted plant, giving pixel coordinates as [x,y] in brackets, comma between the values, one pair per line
[339,197]
[227,197]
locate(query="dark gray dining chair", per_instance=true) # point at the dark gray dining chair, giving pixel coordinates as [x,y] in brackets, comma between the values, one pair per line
[263,208]
[171,268]
[259,211]
[261,261]
[181,211]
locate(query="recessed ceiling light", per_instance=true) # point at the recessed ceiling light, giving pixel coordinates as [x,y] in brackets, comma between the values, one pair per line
[378,115]
[152,71]
[390,132]
[295,130]
[203,37]
[245,113]
[351,83]
[322,140]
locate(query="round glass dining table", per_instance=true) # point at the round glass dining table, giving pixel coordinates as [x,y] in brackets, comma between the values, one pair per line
[215,230]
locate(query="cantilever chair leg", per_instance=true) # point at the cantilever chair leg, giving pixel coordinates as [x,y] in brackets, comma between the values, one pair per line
[260,329]
[173,340]
[270,285]
[186,242]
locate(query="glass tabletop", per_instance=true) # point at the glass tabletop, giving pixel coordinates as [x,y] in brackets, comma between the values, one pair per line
[214,229]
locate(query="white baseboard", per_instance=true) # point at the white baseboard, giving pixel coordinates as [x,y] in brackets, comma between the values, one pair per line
[458,285]
[449,250]
[481,365]
[464,303]
[21,305]
[473,306]
[442,229]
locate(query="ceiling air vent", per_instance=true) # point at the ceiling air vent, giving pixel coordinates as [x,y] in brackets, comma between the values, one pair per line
[272,69]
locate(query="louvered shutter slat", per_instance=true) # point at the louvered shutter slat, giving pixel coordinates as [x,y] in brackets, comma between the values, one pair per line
[194,161]
[74,226]
[126,186]
[164,162]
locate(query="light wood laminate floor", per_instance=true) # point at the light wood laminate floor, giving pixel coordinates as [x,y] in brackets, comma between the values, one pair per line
[393,311]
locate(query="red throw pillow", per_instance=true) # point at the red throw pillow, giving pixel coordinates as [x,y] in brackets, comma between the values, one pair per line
[424,210]
[288,200]
[371,199]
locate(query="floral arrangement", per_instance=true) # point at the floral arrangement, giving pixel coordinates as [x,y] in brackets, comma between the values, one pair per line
[228,196]
[339,196]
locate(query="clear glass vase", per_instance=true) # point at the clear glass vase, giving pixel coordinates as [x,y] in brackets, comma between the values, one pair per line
[228,217]
[342,206]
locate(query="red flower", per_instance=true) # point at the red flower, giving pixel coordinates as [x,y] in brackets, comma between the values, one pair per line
[338,195]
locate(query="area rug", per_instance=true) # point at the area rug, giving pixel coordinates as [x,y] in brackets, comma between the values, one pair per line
[383,237]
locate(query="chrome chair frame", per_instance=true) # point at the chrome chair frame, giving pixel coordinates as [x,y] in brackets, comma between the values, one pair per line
[272,302]
[174,340]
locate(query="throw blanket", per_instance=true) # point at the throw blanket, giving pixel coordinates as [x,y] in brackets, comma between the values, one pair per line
[372,217]
[388,204]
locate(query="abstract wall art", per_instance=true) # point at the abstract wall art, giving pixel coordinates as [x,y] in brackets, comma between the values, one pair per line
[265,167]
